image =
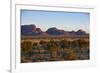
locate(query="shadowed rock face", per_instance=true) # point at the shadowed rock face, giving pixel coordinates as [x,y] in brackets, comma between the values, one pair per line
[38,30]
[32,30]
[55,31]
[80,32]
[26,30]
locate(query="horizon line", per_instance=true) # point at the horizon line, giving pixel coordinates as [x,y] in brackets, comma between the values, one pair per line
[56,28]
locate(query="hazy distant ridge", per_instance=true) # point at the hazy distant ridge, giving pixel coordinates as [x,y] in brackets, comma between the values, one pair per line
[32,30]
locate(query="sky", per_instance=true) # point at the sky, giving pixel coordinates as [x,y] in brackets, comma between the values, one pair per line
[67,21]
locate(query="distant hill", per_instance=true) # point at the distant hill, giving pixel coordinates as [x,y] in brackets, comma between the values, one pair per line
[55,31]
[32,30]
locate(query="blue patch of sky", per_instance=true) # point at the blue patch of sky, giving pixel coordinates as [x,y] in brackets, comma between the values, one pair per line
[62,20]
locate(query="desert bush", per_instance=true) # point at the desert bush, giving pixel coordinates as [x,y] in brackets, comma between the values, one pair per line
[64,43]
[51,44]
[54,54]
[57,43]
[82,43]
[42,42]
[25,59]
[52,49]
[26,46]
[35,45]
[73,44]
[70,55]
